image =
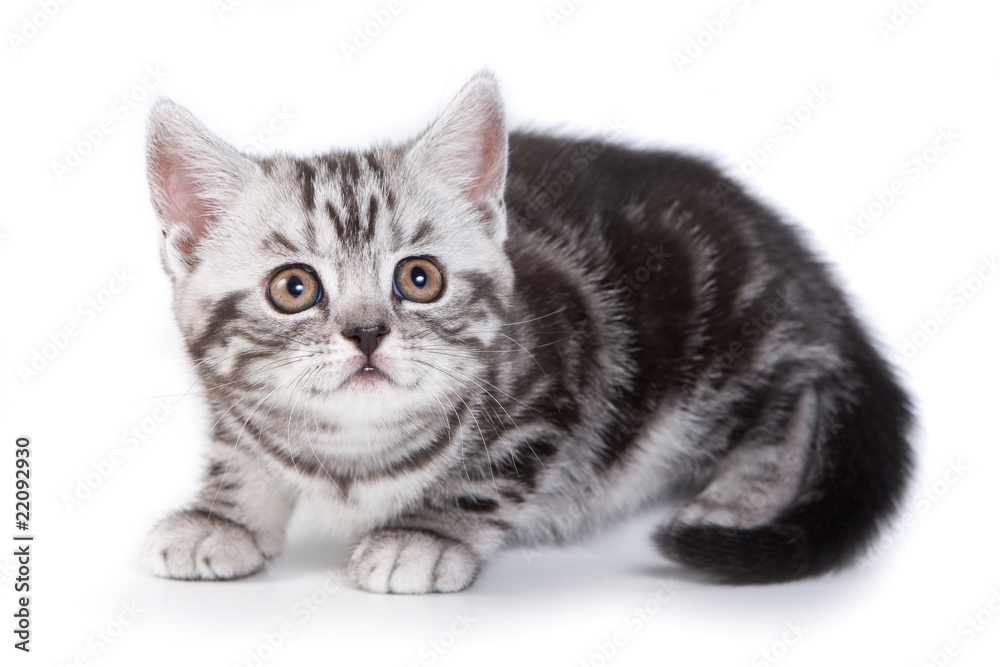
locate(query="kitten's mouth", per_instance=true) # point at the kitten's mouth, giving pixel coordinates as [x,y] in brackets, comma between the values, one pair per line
[368,375]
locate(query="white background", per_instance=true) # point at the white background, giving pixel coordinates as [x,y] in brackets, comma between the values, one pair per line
[64,235]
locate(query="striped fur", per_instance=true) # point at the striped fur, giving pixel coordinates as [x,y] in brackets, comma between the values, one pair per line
[643,332]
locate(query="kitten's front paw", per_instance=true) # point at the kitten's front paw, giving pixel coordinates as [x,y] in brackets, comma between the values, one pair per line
[197,545]
[412,561]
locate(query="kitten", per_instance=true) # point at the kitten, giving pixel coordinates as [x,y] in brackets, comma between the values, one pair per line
[454,355]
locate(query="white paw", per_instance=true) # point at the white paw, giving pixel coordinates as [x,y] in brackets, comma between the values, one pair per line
[194,545]
[412,561]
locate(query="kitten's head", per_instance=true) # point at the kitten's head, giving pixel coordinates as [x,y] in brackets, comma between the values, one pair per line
[360,285]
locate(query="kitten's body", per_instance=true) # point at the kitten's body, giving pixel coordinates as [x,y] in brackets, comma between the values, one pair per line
[616,327]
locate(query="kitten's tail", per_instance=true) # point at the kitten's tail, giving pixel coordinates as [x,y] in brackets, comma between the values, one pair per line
[862,460]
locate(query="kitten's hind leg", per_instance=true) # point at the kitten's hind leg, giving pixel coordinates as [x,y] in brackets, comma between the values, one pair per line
[762,473]
[732,528]
[802,491]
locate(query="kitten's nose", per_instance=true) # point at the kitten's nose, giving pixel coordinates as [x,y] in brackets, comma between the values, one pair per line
[366,338]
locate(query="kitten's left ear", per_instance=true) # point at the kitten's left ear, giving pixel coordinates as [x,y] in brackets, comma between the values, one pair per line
[193,176]
[466,148]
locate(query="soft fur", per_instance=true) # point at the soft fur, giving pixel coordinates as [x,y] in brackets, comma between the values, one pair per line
[617,328]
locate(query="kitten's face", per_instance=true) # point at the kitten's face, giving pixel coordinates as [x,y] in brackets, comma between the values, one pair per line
[352,288]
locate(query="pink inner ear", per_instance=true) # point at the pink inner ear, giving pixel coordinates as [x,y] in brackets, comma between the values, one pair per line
[469,169]
[193,210]
[184,207]
[482,163]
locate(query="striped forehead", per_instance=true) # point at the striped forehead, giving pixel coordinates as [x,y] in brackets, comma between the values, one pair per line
[346,201]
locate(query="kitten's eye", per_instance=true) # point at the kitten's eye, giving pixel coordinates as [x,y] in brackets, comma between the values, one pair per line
[418,279]
[294,289]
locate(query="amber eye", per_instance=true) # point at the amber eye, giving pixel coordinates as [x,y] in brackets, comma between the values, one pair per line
[294,289]
[418,279]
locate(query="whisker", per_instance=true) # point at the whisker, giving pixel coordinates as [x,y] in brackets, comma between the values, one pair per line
[476,381]
[486,449]
[502,407]
[535,319]
[237,444]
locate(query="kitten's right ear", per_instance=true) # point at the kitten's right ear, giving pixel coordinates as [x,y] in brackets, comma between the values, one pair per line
[466,148]
[192,175]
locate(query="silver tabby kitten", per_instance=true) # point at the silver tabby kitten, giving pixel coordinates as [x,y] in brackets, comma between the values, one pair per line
[479,339]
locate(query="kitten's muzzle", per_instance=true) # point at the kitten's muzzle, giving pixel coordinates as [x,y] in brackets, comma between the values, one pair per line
[367,338]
